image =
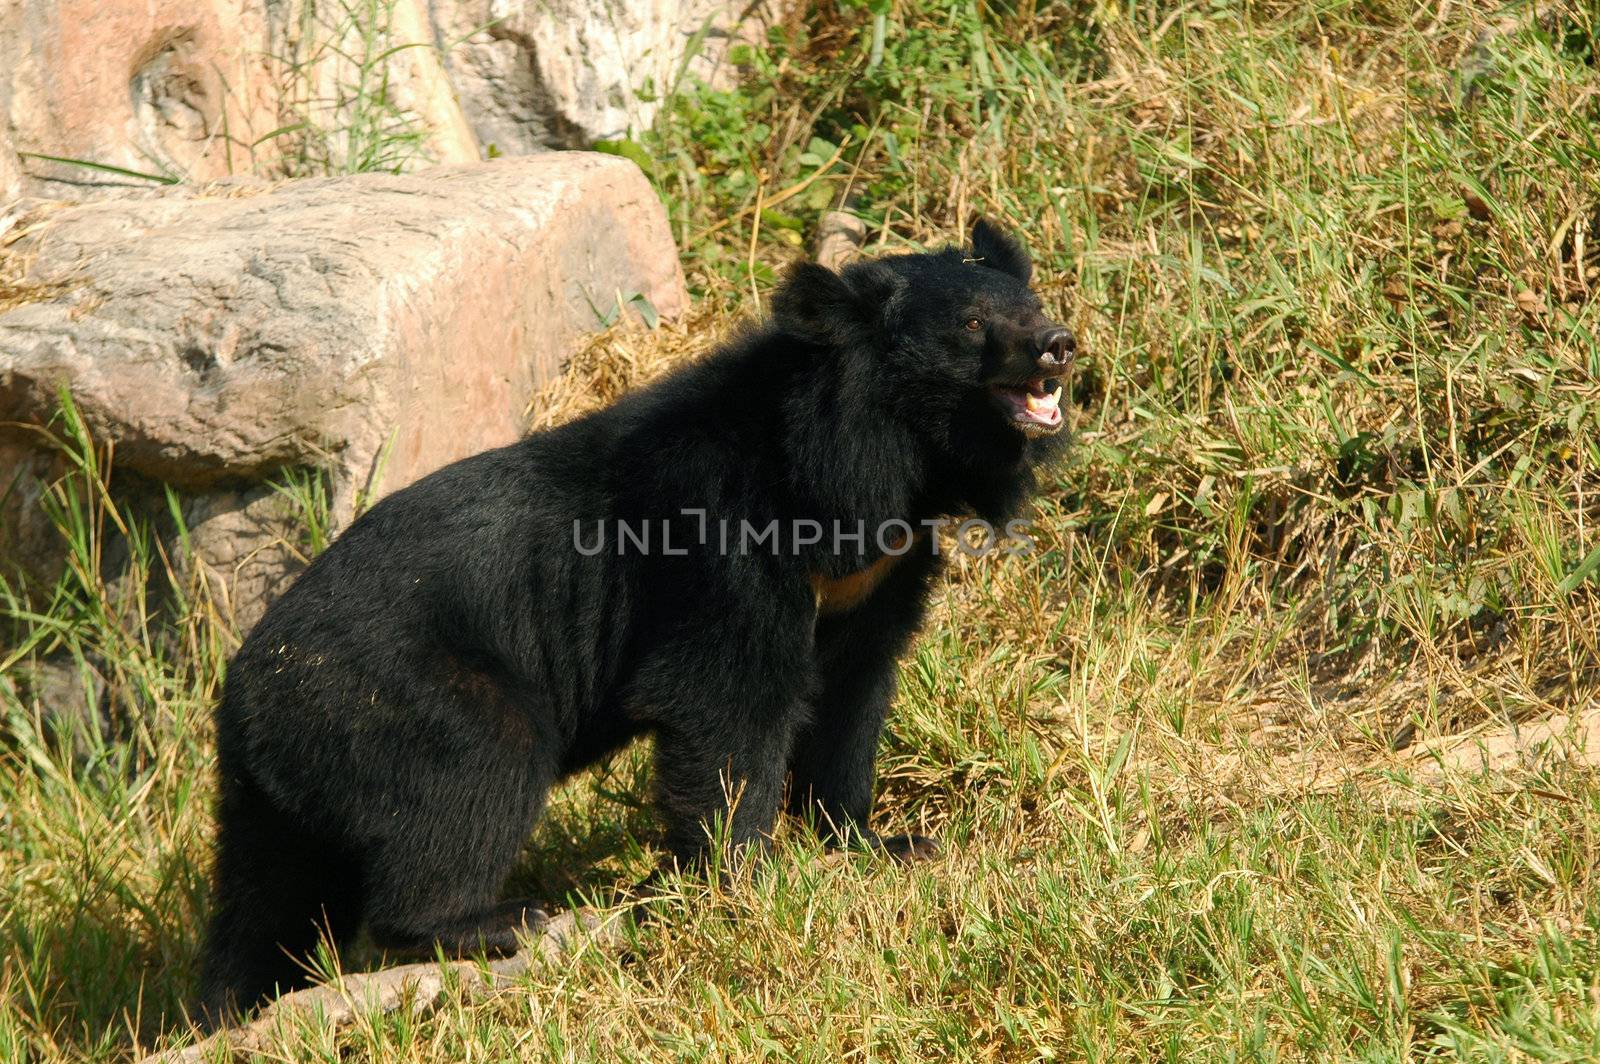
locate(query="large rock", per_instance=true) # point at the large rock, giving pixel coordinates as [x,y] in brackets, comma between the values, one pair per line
[173,86]
[370,328]
[195,89]
[202,89]
[535,74]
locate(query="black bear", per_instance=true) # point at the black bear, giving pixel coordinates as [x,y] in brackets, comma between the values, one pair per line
[729,560]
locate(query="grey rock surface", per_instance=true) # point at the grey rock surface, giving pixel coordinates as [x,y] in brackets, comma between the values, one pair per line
[535,74]
[10,171]
[370,328]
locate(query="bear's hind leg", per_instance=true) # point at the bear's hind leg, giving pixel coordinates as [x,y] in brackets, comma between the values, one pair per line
[278,891]
[437,882]
[733,771]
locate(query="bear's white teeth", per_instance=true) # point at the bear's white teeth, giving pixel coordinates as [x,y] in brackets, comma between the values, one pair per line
[1047,405]
[1035,409]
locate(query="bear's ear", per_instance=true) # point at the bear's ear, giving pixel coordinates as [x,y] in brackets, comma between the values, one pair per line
[875,286]
[999,250]
[814,301]
[811,299]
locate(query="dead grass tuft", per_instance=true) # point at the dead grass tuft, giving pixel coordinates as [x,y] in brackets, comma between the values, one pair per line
[624,357]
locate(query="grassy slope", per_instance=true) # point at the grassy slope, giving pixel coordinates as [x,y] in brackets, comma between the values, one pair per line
[1334,262]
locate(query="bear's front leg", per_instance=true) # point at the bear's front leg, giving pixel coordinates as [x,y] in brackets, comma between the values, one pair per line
[834,762]
[834,758]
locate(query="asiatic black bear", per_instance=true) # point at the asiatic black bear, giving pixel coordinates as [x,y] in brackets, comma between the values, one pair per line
[729,561]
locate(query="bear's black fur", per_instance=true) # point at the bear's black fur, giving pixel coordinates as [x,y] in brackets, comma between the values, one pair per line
[390,729]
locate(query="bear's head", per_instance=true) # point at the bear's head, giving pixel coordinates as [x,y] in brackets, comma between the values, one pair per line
[953,341]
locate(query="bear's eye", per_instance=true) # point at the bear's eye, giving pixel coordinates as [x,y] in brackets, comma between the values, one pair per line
[973,325]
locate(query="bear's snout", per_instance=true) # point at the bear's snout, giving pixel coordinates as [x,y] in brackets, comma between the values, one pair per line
[1057,346]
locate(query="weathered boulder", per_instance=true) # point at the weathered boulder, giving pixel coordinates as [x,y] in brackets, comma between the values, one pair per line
[369,328]
[154,85]
[535,74]
[195,89]
[203,89]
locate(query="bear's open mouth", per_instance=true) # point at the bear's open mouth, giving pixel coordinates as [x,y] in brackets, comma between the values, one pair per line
[1035,407]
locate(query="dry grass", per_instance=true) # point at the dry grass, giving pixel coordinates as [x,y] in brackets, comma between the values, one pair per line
[1207,760]
[624,358]
[16,287]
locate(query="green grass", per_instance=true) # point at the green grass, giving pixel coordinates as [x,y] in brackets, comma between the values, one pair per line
[1334,494]
[341,112]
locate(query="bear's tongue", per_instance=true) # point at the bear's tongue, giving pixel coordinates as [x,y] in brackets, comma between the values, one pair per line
[1042,404]
[1034,404]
